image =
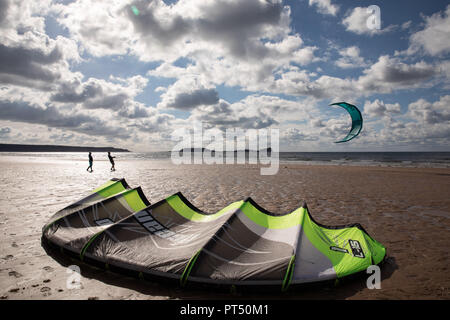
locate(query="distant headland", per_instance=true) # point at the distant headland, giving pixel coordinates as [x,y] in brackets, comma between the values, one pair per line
[268,150]
[52,148]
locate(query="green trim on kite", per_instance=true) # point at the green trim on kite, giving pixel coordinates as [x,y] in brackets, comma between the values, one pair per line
[187,212]
[272,222]
[134,200]
[376,248]
[289,273]
[110,188]
[50,224]
[131,202]
[188,268]
[83,250]
[343,263]
[105,185]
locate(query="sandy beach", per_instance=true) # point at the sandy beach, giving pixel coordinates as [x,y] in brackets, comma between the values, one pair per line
[406,209]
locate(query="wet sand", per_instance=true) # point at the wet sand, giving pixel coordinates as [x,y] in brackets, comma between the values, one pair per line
[406,209]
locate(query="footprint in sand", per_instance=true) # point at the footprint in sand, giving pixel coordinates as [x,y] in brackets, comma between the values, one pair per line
[15,274]
[48,268]
[46,291]
[8,257]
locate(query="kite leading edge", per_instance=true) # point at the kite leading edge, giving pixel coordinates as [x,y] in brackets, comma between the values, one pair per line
[357,120]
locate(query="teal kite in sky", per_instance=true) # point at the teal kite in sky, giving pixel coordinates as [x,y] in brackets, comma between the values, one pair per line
[357,120]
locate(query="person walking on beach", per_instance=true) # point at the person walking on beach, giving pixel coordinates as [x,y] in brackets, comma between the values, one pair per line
[111,159]
[91,161]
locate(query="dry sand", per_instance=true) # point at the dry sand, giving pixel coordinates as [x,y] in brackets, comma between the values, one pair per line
[406,209]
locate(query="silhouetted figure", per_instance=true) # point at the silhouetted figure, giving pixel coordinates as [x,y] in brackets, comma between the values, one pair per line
[111,159]
[91,161]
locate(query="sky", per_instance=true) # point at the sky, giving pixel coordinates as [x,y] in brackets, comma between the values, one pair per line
[130,73]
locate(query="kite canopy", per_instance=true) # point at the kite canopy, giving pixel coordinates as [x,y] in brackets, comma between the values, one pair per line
[242,244]
[357,120]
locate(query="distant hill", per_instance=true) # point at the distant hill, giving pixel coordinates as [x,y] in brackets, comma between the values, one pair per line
[50,148]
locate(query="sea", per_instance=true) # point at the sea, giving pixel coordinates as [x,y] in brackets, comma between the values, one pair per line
[383,159]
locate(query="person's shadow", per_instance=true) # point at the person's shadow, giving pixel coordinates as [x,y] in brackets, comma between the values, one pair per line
[160,287]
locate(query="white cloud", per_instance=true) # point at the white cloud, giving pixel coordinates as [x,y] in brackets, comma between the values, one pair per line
[389,74]
[406,25]
[155,122]
[434,38]
[350,58]
[444,68]
[242,114]
[56,118]
[252,36]
[244,45]
[378,108]
[384,76]
[294,136]
[5,132]
[325,6]
[357,22]
[228,42]
[22,21]
[167,32]
[187,93]
[253,112]
[100,27]
[29,57]
[134,110]
[425,123]
[101,94]
[431,113]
